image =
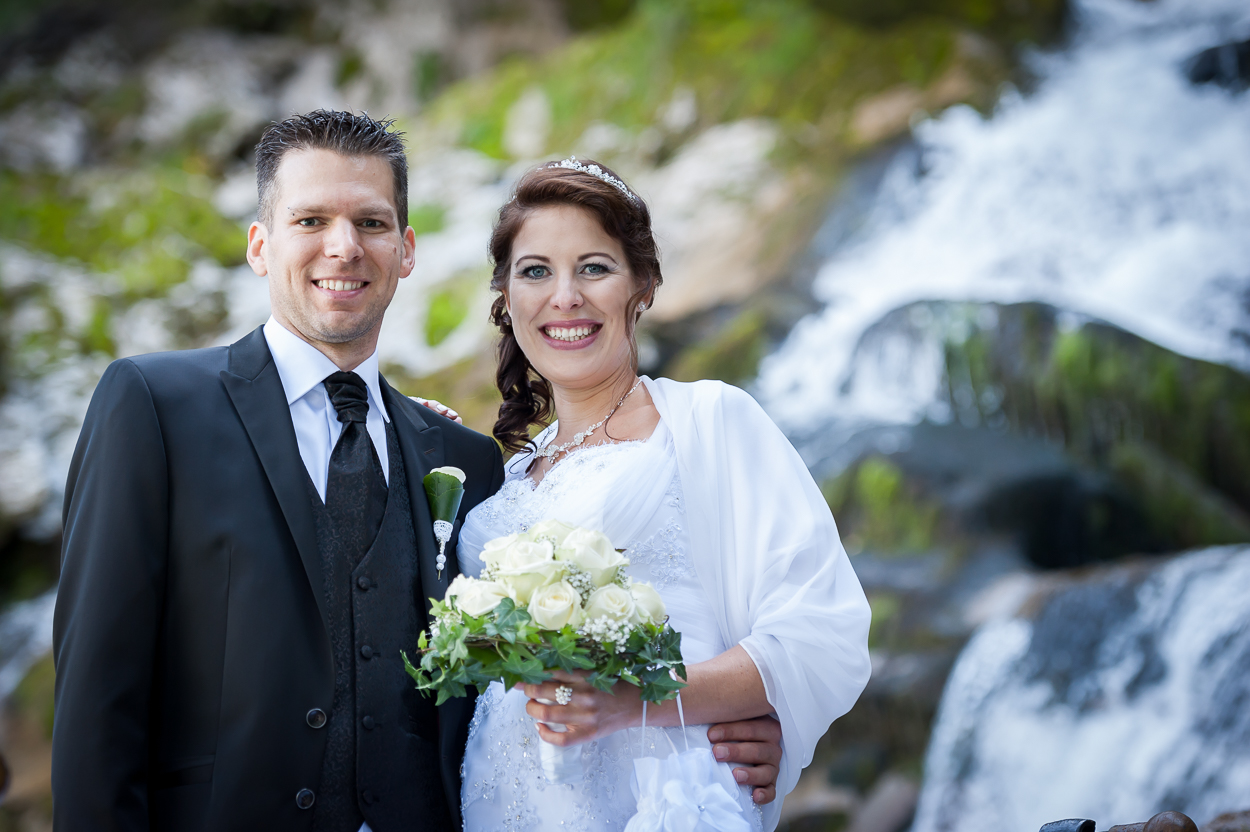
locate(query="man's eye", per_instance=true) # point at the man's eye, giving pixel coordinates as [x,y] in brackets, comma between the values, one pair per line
[372,223]
[308,222]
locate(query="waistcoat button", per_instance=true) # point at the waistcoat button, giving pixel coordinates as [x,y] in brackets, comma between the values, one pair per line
[362,582]
[366,796]
[304,798]
[366,651]
[367,722]
[316,718]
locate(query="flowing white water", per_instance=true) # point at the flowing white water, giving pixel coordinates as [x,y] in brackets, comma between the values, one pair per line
[1116,190]
[1123,698]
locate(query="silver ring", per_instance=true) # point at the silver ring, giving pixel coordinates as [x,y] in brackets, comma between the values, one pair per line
[564,695]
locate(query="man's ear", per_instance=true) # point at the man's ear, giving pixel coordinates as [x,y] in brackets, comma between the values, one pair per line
[410,252]
[257,239]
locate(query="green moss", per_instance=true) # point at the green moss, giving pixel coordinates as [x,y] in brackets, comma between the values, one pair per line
[1036,20]
[1173,432]
[733,355]
[145,227]
[876,509]
[427,218]
[886,609]
[34,694]
[449,306]
[780,59]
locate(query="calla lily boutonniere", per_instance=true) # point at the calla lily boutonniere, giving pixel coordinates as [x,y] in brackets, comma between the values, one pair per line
[444,488]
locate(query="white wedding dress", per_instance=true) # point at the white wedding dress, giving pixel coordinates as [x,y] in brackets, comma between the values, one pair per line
[720,515]
[504,785]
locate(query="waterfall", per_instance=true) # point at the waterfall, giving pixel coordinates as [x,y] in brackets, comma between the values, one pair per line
[1116,190]
[1126,695]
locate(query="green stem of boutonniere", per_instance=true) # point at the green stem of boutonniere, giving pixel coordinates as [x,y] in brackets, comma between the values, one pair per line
[444,488]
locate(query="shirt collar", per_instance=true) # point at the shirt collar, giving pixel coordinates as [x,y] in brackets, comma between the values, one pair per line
[301,366]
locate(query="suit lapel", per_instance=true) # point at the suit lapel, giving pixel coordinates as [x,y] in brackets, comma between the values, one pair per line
[421,447]
[255,388]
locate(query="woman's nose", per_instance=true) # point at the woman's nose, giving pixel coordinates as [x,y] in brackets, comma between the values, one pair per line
[567,294]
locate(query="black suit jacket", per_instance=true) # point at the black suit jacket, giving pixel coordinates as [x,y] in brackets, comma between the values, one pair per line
[190,638]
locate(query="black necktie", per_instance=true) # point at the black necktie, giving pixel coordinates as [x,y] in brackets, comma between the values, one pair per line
[355,486]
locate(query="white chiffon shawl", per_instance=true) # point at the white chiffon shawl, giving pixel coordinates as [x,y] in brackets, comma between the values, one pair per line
[767,552]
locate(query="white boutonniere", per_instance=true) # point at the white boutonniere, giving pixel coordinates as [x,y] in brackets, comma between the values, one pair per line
[444,488]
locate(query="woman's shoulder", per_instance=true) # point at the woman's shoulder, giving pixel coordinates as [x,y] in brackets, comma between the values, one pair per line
[708,397]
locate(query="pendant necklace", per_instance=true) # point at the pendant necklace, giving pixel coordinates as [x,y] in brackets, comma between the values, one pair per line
[550,452]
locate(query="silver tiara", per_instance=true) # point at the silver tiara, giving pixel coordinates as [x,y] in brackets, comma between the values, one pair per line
[597,172]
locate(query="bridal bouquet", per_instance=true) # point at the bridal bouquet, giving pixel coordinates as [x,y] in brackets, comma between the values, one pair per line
[553,597]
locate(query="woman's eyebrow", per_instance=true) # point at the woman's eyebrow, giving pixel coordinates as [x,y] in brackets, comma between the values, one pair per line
[596,254]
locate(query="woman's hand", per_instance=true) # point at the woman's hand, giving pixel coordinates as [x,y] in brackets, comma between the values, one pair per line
[439,408]
[590,714]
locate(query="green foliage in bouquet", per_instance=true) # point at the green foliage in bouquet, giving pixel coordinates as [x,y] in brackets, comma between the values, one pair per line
[554,598]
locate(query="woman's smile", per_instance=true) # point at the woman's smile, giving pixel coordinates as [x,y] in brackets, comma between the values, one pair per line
[571,335]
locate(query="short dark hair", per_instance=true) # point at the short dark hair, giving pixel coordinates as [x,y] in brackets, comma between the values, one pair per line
[342,132]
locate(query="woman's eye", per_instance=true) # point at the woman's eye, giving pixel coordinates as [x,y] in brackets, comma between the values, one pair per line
[596,268]
[534,271]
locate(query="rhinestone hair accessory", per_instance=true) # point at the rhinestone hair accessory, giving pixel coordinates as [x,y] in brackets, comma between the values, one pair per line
[597,172]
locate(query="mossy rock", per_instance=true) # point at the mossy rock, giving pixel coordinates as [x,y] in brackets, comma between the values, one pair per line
[1172,432]
[780,59]
[879,509]
[146,227]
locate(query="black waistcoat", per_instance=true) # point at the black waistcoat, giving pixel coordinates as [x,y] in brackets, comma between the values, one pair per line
[381,763]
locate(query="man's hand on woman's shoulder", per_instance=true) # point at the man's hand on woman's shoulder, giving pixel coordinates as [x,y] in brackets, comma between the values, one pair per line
[439,408]
[756,744]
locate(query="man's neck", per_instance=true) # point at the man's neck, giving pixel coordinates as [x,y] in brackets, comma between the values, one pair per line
[347,356]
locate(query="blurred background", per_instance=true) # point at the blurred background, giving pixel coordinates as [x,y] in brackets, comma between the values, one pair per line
[987,263]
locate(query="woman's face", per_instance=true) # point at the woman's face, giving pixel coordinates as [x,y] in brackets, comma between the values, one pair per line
[567,290]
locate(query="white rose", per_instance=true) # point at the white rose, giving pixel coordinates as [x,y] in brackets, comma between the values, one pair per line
[451,470]
[592,552]
[476,597]
[555,605]
[494,548]
[524,567]
[552,530]
[611,602]
[649,604]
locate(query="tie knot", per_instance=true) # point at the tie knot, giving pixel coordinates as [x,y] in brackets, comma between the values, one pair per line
[349,395]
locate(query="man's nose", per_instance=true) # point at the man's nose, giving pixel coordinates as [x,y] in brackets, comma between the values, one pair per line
[342,240]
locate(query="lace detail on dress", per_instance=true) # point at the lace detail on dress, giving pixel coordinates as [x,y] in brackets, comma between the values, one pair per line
[664,553]
[520,503]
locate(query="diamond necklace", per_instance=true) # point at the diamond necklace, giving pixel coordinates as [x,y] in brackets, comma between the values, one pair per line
[549,452]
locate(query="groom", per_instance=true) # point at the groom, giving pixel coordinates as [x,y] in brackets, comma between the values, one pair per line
[238,571]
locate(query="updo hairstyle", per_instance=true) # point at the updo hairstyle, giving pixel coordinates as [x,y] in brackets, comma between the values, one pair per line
[527,397]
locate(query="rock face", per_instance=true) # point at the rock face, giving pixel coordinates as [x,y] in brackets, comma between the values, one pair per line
[1114,694]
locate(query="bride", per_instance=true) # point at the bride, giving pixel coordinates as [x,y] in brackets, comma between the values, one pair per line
[713,506]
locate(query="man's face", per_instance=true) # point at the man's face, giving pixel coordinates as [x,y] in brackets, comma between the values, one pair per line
[333,250]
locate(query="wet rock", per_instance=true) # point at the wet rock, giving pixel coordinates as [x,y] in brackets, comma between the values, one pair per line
[1229,822]
[889,806]
[1070,825]
[1226,65]
[1162,822]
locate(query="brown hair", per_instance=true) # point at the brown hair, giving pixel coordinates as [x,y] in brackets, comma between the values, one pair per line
[527,398]
[345,133]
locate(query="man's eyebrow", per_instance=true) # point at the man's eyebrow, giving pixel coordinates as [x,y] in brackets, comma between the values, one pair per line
[377,210]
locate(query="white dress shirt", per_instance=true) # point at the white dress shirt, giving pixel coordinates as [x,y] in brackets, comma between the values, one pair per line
[302,368]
